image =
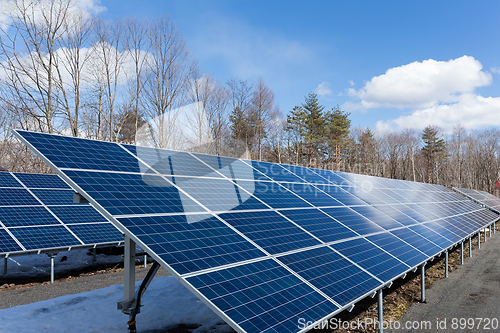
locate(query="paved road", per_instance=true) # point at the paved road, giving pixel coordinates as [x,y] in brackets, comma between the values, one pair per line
[472,291]
[87,283]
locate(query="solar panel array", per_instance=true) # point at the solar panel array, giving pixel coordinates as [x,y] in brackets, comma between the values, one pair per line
[37,213]
[264,244]
[484,198]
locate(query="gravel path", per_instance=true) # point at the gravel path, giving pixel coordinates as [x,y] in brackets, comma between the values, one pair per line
[43,292]
[468,301]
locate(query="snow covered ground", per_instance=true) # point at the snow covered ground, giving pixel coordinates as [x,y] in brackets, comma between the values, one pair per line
[167,304]
[39,264]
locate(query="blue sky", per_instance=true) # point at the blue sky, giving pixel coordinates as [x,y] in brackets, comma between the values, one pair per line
[392,64]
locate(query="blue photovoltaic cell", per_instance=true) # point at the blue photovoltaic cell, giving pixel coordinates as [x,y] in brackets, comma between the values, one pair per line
[270,231]
[353,220]
[319,224]
[218,194]
[417,241]
[377,217]
[412,211]
[7,180]
[38,180]
[81,213]
[341,195]
[7,243]
[55,197]
[263,297]
[312,195]
[393,212]
[399,249]
[66,152]
[172,163]
[332,274]
[232,168]
[373,259]
[276,172]
[272,194]
[434,237]
[44,237]
[96,233]
[26,216]
[307,174]
[366,196]
[334,177]
[190,243]
[124,194]
[16,197]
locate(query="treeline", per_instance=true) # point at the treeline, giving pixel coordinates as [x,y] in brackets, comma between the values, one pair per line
[65,72]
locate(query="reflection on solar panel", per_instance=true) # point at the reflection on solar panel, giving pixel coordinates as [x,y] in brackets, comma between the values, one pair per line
[263,244]
[37,213]
[481,197]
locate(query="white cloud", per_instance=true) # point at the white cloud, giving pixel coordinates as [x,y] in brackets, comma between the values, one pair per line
[82,8]
[422,84]
[351,82]
[471,110]
[495,70]
[323,89]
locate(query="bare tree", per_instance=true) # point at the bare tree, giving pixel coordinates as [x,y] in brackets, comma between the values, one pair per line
[169,69]
[262,111]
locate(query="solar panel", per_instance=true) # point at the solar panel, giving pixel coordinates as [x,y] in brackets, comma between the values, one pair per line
[37,213]
[263,244]
[481,197]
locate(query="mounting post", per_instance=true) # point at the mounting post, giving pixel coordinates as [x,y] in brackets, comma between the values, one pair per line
[470,246]
[489,229]
[52,256]
[94,253]
[462,253]
[5,259]
[145,260]
[380,301]
[494,227]
[422,287]
[479,239]
[129,278]
[446,264]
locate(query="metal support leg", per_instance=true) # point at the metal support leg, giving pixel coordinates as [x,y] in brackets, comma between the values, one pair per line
[422,287]
[94,253]
[462,253]
[494,227]
[489,230]
[479,239]
[145,260]
[470,246]
[5,259]
[446,264]
[380,295]
[52,256]
[129,278]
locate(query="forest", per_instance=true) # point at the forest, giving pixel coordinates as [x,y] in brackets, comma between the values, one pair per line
[66,72]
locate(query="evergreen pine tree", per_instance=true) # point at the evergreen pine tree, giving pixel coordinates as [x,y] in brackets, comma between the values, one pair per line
[337,126]
[314,126]
[433,149]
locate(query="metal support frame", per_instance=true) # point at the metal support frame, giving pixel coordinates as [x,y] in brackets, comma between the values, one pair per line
[462,253]
[128,302]
[380,301]
[5,259]
[494,227]
[145,260]
[446,264]
[489,230]
[470,246]
[422,287]
[52,266]
[479,239]
[94,253]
